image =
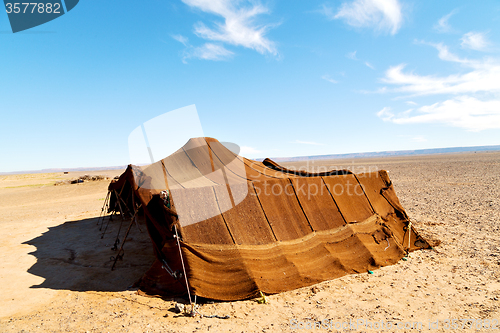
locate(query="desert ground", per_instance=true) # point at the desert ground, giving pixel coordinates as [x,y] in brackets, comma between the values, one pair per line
[55,269]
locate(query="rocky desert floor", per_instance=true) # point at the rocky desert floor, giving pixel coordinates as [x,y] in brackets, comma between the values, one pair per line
[55,269]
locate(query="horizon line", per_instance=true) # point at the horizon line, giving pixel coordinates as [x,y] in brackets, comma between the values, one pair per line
[385,153]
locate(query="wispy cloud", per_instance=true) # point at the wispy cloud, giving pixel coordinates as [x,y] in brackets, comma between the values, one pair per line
[329,12]
[369,65]
[209,51]
[464,111]
[475,107]
[443,25]
[329,79]
[239,25]
[352,55]
[483,76]
[475,41]
[308,143]
[181,39]
[381,15]
[385,114]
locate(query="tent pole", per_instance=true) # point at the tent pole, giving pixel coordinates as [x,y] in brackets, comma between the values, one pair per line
[117,239]
[119,255]
[107,224]
[102,215]
[409,234]
[102,218]
[121,213]
[125,205]
[184,270]
[135,213]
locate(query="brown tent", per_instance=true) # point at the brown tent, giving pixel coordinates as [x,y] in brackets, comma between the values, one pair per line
[246,227]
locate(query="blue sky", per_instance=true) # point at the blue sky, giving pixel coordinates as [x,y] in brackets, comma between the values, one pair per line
[278,78]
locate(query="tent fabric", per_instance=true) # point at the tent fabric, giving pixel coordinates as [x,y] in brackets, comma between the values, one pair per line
[247,227]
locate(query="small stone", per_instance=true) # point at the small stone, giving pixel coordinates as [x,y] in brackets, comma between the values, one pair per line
[179,307]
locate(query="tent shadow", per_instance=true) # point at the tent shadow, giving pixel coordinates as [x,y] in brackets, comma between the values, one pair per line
[72,256]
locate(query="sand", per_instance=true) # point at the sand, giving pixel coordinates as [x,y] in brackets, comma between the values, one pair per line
[55,268]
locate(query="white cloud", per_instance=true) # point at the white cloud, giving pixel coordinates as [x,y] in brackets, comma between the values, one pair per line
[385,114]
[411,103]
[382,15]
[209,51]
[181,39]
[329,79]
[475,107]
[327,11]
[369,65]
[445,54]
[475,41]
[308,143]
[483,76]
[464,111]
[443,25]
[239,27]
[351,55]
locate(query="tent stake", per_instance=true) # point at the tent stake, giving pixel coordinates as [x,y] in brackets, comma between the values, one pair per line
[409,234]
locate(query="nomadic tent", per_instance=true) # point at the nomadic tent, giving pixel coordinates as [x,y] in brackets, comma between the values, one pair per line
[226,227]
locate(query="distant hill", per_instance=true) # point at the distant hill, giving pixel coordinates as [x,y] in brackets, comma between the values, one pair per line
[302,158]
[390,153]
[56,170]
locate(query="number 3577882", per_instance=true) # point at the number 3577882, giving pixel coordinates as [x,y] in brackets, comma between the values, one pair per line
[33,7]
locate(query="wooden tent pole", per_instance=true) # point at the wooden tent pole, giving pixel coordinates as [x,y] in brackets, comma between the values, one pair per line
[103,209]
[119,255]
[135,216]
[184,270]
[114,208]
[117,239]
[114,213]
